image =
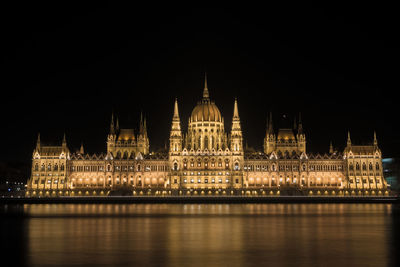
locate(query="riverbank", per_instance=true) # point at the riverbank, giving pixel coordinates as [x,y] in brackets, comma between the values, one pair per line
[197,199]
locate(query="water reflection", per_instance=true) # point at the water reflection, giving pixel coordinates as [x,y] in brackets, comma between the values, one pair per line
[208,234]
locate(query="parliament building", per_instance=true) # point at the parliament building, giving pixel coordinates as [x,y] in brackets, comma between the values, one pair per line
[206,160]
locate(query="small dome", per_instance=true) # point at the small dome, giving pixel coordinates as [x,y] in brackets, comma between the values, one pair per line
[126,135]
[206,111]
[285,134]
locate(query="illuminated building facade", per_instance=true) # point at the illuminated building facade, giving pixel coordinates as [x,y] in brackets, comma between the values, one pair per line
[207,160]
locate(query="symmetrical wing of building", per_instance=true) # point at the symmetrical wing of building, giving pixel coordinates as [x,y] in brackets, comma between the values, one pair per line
[206,160]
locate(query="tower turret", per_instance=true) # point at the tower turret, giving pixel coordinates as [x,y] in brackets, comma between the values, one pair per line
[301,137]
[143,140]
[175,138]
[236,141]
[270,138]
[111,138]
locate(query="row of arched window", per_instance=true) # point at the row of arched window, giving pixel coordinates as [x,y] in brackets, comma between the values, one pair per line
[364,166]
[49,167]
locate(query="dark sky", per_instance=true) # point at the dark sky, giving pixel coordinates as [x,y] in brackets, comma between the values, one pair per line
[65,68]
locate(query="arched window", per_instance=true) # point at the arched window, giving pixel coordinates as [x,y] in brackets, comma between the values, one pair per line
[56,167]
[108,168]
[304,167]
[273,167]
[364,167]
[205,142]
[351,167]
[357,166]
[377,166]
[370,166]
[36,167]
[175,166]
[236,166]
[49,167]
[138,168]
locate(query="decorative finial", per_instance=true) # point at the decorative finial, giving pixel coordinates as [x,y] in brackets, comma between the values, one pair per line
[176,111]
[206,95]
[348,138]
[235,109]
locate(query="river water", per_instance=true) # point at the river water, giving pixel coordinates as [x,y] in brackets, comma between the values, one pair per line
[200,235]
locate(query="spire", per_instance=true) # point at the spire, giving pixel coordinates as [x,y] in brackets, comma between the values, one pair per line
[176,124]
[331,148]
[81,150]
[375,140]
[300,125]
[141,124]
[270,125]
[64,141]
[235,110]
[176,112]
[117,126]
[38,142]
[348,138]
[145,127]
[206,95]
[112,130]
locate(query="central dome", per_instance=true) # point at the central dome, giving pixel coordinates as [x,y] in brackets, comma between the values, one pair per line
[206,110]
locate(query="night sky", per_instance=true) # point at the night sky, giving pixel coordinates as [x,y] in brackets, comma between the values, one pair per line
[66,68]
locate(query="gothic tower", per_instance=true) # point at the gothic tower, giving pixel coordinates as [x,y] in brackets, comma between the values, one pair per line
[301,137]
[270,138]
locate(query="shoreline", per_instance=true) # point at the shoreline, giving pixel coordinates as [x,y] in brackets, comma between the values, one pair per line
[197,199]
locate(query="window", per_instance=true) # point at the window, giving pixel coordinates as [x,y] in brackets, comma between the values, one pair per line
[236,166]
[377,166]
[36,167]
[175,166]
[62,167]
[49,167]
[206,180]
[237,181]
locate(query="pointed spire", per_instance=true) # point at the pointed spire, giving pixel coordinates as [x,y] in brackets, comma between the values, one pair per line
[117,125]
[145,127]
[348,138]
[300,125]
[235,110]
[141,124]
[206,95]
[176,111]
[375,140]
[331,148]
[112,129]
[64,141]
[81,150]
[270,124]
[38,141]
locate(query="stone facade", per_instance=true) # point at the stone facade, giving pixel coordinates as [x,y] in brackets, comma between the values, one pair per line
[206,160]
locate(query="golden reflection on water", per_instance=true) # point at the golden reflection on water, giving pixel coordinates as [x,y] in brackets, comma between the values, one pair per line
[208,234]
